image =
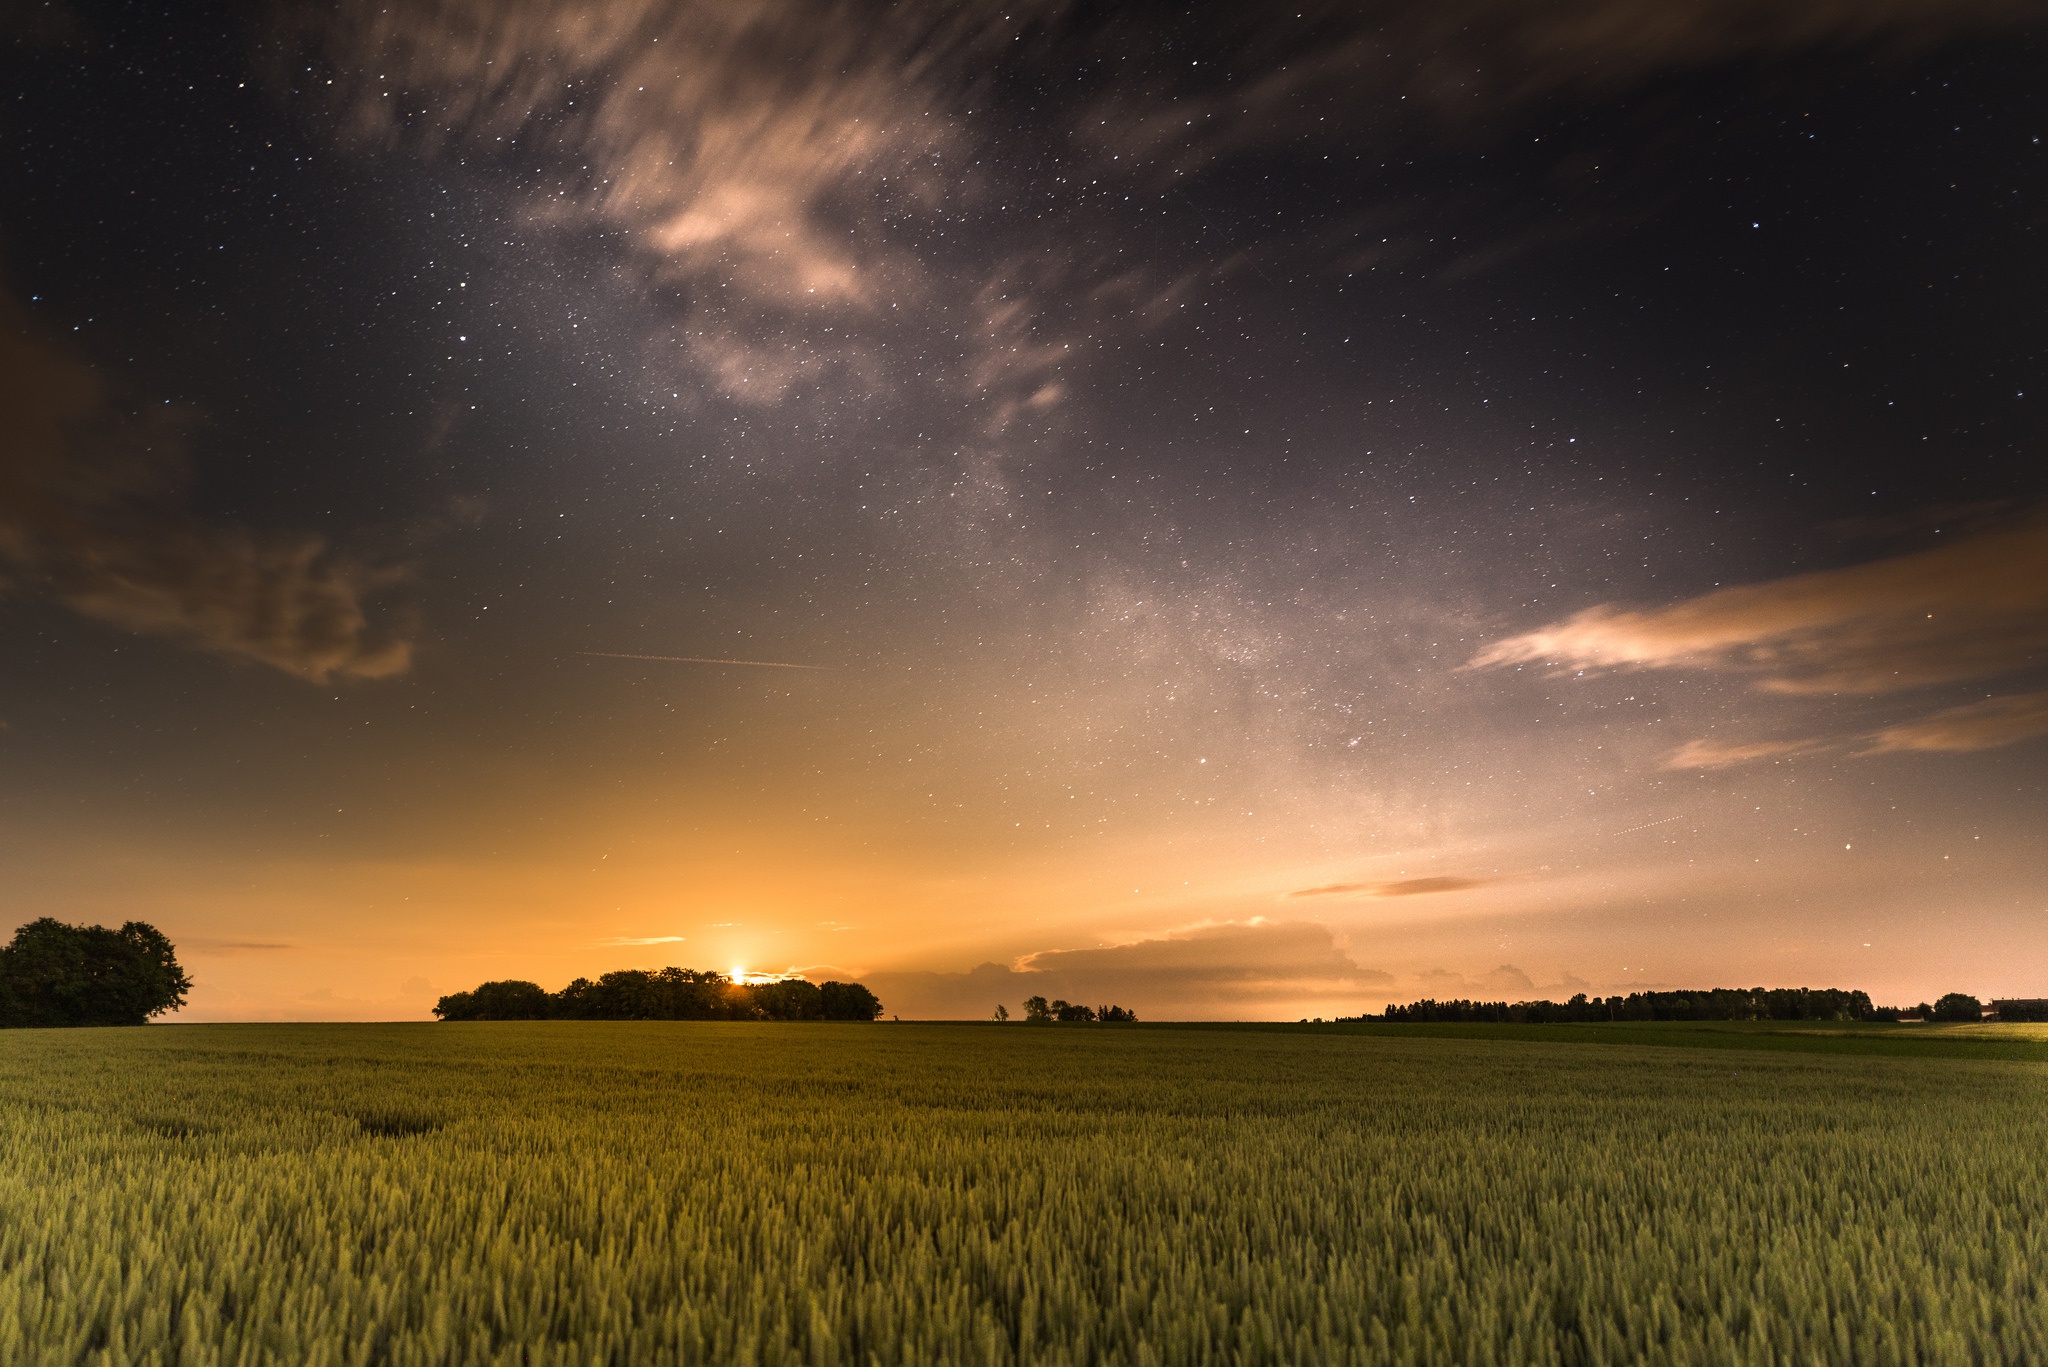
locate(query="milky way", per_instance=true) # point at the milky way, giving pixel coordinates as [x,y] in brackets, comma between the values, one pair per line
[1275,512]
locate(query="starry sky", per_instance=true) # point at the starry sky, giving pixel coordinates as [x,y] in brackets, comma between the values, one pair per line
[1241,511]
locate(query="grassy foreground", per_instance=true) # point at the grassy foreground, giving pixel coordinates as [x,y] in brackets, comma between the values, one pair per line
[817,1194]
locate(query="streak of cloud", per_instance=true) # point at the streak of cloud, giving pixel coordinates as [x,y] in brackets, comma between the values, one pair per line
[1983,725]
[1406,887]
[1972,609]
[90,512]
[698,660]
[1709,754]
[1987,725]
[1386,65]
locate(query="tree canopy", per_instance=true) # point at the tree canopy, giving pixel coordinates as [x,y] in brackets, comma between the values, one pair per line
[1039,1011]
[1958,1006]
[1711,1004]
[53,974]
[670,994]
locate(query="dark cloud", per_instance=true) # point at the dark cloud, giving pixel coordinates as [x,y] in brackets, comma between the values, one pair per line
[1971,609]
[90,511]
[1278,76]
[829,195]
[39,25]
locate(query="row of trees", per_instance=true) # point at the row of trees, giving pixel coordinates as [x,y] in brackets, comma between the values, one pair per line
[56,974]
[1039,1011]
[1714,1004]
[667,994]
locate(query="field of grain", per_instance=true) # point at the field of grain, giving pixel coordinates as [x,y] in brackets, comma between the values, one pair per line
[817,1194]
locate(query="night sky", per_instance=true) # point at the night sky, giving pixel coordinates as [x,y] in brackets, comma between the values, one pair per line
[1242,511]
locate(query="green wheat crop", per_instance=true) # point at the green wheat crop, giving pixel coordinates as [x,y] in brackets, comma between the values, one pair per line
[817,1194]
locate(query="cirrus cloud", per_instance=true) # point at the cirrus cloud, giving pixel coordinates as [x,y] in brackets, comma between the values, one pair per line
[1405,887]
[1982,725]
[1711,754]
[1974,608]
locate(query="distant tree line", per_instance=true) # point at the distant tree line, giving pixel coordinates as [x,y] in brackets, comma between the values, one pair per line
[53,974]
[1039,1011]
[1955,1006]
[1712,1004]
[665,994]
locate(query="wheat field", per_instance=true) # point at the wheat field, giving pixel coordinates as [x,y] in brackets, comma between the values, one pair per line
[598,1193]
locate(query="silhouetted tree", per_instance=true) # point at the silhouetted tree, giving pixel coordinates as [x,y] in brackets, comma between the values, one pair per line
[1958,1006]
[510,1000]
[1071,1013]
[666,994]
[849,1002]
[793,999]
[1115,1015]
[1002,1013]
[1037,1012]
[56,974]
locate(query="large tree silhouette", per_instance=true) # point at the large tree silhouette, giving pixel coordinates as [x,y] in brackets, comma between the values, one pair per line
[55,974]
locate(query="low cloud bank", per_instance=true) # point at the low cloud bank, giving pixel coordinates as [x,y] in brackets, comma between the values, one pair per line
[1227,972]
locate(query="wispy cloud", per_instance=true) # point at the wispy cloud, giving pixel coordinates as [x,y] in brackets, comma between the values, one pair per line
[791,165]
[1978,726]
[643,940]
[90,510]
[1972,609]
[1986,725]
[1711,754]
[1406,887]
[1336,68]
[698,660]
